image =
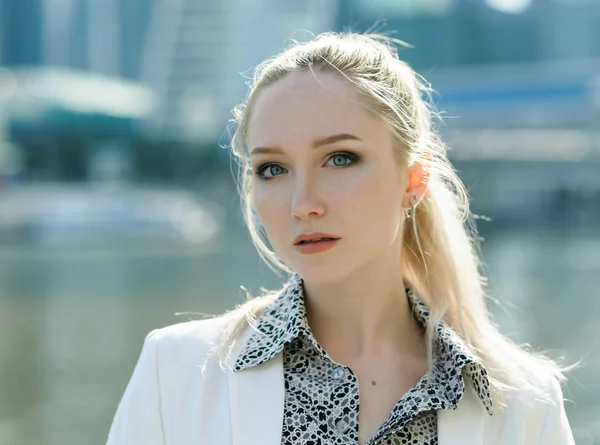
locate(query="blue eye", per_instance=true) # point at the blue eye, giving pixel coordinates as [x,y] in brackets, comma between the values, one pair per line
[341,159]
[273,169]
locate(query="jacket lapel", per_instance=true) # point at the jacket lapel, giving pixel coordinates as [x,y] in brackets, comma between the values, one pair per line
[465,424]
[256,398]
[257,403]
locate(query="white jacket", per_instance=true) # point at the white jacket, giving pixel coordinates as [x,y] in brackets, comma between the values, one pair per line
[171,400]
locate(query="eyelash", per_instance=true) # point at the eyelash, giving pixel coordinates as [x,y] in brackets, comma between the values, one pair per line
[353,157]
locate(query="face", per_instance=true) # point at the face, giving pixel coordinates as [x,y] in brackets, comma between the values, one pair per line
[322,163]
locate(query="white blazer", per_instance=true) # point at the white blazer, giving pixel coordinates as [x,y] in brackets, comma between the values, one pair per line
[172,400]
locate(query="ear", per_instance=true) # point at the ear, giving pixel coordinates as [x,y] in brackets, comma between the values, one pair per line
[418,179]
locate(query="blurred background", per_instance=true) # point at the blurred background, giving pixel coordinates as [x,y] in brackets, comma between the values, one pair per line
[118,206]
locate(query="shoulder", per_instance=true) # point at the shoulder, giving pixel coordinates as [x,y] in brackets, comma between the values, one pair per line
[194,338]
[544,391]
[200,339]
[536,412]
[197,332]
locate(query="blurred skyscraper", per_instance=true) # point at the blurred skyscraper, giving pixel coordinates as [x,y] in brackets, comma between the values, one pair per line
[21,32]
[195,51]
[101,36]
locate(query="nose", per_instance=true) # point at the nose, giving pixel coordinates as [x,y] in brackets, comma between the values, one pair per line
[307,203]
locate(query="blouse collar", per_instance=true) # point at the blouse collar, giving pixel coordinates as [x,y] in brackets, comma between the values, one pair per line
[285,319]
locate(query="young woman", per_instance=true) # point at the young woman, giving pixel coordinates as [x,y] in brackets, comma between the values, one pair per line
[381,335]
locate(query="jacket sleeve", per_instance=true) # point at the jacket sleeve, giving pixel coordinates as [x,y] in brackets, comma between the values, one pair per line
[138,417]
[556,429]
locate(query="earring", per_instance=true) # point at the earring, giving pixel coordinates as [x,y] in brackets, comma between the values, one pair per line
[413,204]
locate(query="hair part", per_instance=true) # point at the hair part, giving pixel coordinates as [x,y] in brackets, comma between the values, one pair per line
[441,259]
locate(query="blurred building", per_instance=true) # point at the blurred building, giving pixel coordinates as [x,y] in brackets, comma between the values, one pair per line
[21,32]
[191,52]
[102,36]
[482,32]
[196,50]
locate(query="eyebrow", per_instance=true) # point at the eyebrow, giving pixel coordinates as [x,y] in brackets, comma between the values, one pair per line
[315,144]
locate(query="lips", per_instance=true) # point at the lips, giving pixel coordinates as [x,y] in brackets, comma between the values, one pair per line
[307,238]
[316,240]
[309,247]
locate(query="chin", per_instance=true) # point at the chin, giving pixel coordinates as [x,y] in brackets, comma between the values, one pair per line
[321,272]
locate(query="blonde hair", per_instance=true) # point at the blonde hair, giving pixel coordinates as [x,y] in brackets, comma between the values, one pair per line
[440,253]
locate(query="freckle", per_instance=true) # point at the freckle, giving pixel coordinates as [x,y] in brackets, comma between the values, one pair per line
[373,383]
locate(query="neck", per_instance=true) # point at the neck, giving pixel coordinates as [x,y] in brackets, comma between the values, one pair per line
[364,315]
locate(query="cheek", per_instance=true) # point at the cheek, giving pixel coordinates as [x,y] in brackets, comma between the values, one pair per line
[372,207]
[270,206]
[372,194]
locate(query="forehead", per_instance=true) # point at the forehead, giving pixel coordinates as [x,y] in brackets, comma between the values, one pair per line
[304,106]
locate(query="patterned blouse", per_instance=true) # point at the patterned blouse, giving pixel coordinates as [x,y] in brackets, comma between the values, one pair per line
[322,398]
